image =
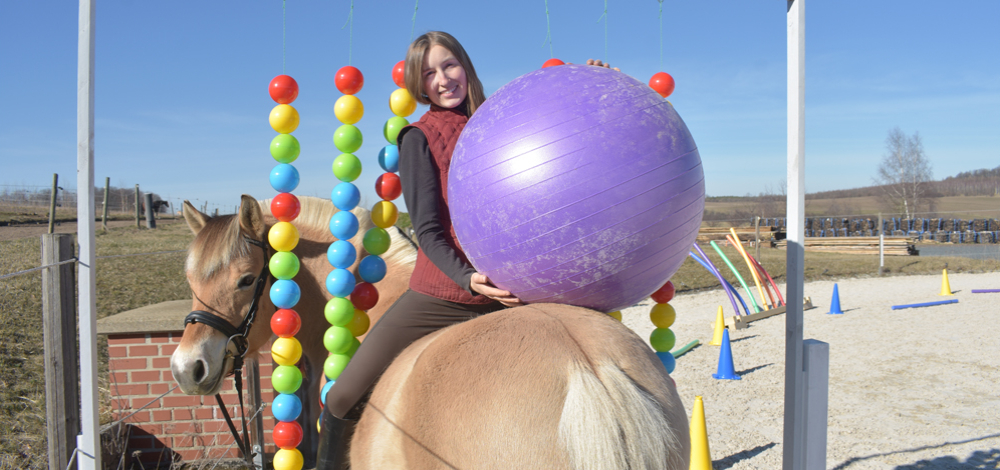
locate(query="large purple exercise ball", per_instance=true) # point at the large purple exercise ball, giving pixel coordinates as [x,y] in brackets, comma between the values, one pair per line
[578,185]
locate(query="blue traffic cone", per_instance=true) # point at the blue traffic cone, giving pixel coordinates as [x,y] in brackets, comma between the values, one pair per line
[835,303]
[726,370]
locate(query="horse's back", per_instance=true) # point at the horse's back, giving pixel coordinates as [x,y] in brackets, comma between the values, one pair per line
[531,387]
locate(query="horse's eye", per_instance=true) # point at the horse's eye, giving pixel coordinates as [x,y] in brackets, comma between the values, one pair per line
[245,281]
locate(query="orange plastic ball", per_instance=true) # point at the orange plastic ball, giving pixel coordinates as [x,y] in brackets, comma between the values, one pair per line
[664,294]
[662,83]
[349,80]
[398,74]
[553,62]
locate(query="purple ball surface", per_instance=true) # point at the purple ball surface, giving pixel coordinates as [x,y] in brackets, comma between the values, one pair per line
[577,185]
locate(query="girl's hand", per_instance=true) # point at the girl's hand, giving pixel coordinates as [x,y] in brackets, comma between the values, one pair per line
[601,64]
[482,284]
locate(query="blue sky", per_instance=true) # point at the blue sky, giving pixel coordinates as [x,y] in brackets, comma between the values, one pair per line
[182,106]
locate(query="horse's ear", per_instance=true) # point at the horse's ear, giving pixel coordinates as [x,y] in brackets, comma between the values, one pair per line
[195,219]
[251,217]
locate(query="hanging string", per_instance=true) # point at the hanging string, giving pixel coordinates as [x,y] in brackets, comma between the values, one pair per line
[350,34]
[605,18]
[548,27]
[283,41]
[414,23]
[661,33]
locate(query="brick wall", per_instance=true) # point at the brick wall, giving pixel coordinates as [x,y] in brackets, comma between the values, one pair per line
[177,426]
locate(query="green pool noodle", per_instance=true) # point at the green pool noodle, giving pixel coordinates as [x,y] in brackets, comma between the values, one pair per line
[756,308]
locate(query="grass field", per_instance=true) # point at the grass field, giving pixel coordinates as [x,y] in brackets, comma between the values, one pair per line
[127,282]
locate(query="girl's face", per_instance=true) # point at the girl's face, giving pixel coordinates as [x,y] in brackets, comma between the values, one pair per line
[444,78]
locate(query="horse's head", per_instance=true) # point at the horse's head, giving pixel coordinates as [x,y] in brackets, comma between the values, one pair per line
[225,264]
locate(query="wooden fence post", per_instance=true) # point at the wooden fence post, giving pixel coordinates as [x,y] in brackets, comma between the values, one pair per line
[138,205]
[62,407]
[756,232]
[150,217]
[52,202]
[104,217]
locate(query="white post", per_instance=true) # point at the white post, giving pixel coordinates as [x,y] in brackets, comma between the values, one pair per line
[794,424]
[88,443]
[816,355]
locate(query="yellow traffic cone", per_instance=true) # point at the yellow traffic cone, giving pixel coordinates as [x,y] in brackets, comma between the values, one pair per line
[945,286]
[701,458]
[720,324]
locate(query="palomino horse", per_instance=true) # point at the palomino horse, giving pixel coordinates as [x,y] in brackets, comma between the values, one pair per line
[222,266]
[540,386]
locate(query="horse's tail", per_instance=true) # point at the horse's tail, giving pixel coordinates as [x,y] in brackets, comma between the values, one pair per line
[609,422]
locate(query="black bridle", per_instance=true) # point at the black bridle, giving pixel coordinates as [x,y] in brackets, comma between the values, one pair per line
[238,338]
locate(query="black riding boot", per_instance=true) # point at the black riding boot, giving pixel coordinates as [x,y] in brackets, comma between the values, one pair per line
[334,443]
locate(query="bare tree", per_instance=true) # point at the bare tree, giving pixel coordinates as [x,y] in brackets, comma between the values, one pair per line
[904,173]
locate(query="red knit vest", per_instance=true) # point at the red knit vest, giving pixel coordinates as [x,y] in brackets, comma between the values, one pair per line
[442,127]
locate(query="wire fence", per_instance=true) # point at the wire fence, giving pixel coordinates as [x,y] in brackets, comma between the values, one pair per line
[30,202]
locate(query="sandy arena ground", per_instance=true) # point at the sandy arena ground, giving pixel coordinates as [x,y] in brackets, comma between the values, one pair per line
[914,388]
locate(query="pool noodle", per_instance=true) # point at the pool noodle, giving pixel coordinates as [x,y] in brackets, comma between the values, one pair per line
[727,285]
[719,277]
[925,304]
[718,250]
[735,240]
[985,291]
[777,292]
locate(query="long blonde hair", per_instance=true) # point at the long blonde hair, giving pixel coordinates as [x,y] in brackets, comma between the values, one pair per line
[415,64]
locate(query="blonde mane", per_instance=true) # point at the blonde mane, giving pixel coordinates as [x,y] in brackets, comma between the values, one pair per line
[205,258]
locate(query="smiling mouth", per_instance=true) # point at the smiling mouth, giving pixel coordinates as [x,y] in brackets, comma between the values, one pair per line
[449,91]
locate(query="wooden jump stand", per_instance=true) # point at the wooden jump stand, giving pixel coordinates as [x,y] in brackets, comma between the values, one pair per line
[739,322]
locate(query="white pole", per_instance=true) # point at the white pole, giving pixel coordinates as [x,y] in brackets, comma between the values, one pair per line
[88,443]
[794,431]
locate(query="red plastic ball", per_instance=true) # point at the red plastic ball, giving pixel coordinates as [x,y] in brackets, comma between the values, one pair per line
[553,62]
[664,294]
[285,207]
[283,89]
[285,323]
[398,76]
[365,296]
[349,80]
[388,186]
[287,434]
[662,83]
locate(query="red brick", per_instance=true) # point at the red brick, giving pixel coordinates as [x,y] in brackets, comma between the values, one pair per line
[119,377]
[204,413]
[147,427]
[176,337]
[168,376]
[178,402]
[126,339]
[161,415]
[181,428]
[218,453]
[117,351]
[141,442]
[159,338]
[214,426]
[128,364]
[160,388]
[161,363]
[144,350]
[167,349]
[183,415]
[126,390]
[225,439]
[191,440]
[146,376]
[190,454]
[146,403]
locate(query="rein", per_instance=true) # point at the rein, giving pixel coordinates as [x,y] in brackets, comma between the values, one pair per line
[238,338]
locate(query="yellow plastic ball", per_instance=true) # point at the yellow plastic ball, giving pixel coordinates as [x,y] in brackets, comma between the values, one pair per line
[286,351]
[359,324]
[284,119]
[617,315]
[349,109]
[401,103]
[288,459]
[384,214]
[283,236]
[662,315]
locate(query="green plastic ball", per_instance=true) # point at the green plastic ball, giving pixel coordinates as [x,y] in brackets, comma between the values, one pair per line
[662,339]
[334,365]
[286,379]
[355,344]
[376,241]
[339,311]
[337,339]
[284,265]
[346,167]
[347,138]
[392,127]
[285,148]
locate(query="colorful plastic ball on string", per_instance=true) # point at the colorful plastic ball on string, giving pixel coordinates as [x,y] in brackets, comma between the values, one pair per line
[359,323]
[284,119]
[668,360]
[338,311]
[347,138]
[326,390]
[285,207]
[349,109]
[364,296]
[345,196]
[286,379]
[344,225]
[664,294]
[341,254]
[287,434]
[346,167]
[283,236]
[388,158]
[392,128]
[285,323]
[334,365]
[376,241]
[285,148]
[662,315]
[662,83]
[338,339]
[284,178]
[617,315]
[384,214]
[286,407]
[283,89]
[552,63]
[287,459]
[401,103]
[372,269]
[284,265]
[340,282]
[398,74]
[662,339]
[388,186]
[349,80]
[286,351]
[284,293]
